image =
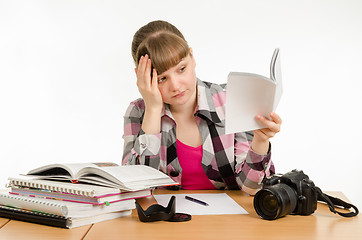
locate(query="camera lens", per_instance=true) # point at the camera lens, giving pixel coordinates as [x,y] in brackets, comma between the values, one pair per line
[275,201]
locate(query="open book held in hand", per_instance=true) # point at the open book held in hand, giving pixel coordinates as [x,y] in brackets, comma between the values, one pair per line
[130,177]
[249,94]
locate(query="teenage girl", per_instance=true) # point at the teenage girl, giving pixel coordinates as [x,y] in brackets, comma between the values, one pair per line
[178,126]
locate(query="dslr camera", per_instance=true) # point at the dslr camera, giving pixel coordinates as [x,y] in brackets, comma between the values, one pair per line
[294,193]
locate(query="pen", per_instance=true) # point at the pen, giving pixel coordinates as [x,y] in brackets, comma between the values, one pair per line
[196,201]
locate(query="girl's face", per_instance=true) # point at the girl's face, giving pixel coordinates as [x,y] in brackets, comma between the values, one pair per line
[178,84]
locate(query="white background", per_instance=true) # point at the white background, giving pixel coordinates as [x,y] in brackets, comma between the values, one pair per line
[67,76]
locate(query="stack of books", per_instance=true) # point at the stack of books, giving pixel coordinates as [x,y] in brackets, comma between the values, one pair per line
[73,195]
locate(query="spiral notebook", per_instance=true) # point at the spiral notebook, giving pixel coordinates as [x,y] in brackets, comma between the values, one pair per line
[34,217]
[62,208]
[80,189]
[69,197]
[55,220]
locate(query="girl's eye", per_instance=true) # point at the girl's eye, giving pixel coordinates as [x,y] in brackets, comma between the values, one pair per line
[160,80]
[182,69]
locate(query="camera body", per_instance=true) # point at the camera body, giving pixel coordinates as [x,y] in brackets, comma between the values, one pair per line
[290,193]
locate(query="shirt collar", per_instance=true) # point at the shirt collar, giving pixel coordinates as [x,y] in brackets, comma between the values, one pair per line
[205,105]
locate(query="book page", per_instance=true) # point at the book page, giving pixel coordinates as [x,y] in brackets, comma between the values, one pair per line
[130,176]
[56,169]
[124,174]
[276,75]
[247,95]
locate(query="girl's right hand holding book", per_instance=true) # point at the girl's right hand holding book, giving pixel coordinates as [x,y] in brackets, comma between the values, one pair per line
[148,87]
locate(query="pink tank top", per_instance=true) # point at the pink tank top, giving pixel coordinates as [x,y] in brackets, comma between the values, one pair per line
[193,176]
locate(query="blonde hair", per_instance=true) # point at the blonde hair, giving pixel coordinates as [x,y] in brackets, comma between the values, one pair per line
[162,42]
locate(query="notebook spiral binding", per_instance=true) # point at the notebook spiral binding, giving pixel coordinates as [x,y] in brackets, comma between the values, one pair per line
[35,217]
[51,186]
[32,200]
[33,212]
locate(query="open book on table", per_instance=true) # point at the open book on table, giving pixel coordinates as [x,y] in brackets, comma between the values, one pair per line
[249,94]
[129,178]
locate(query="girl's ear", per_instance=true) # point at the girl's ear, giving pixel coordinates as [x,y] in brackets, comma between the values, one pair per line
[135,70]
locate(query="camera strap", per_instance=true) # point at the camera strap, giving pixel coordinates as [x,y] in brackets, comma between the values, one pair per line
[332,202]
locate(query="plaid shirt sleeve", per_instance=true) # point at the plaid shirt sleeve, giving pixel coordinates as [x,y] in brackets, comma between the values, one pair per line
[139,147]
[251,168]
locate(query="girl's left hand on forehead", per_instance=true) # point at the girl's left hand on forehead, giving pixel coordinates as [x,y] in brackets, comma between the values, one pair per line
[147,85]
[272,126]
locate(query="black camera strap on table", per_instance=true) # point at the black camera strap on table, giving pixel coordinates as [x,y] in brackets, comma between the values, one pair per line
[332,202]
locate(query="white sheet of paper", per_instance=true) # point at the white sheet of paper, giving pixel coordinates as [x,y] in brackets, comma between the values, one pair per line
[219,203]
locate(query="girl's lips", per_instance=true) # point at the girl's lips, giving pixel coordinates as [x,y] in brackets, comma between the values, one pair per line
[180,94]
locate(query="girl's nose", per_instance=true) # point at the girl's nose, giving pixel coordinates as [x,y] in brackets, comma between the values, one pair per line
[174,83]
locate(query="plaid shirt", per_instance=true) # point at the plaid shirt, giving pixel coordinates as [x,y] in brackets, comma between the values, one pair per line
[227,159]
